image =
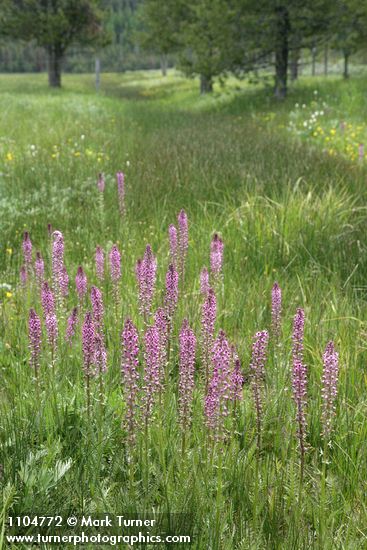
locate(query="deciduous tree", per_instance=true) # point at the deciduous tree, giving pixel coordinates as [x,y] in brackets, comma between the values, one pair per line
[54,25]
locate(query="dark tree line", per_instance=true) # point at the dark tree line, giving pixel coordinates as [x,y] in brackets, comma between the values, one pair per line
[208,38]
[216,37]
[53,25]
[35,33]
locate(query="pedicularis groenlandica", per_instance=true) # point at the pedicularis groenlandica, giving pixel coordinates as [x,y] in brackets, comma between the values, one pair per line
[148,364]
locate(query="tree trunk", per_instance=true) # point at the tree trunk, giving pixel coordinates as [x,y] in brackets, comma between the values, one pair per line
[346,65]
[313,52]
[98,73]
[281,51]
[206,84]
[295,54]
[326,59]
[300,63]
[54,68]
[163,60]
[294,64]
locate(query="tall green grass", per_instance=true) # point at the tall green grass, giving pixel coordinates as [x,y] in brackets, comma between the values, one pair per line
[286,212]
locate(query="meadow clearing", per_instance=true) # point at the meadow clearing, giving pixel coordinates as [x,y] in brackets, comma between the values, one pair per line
[285,189]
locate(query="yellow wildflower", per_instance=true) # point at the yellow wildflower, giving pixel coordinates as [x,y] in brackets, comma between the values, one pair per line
[9,157]
[8,294]
[9,251]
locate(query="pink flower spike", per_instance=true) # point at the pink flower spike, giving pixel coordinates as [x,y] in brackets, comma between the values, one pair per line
[130,376]
[162,323]
[101,183]
[171,295]
[329,391]
[276,311]
[146,270]
[64,282]
[183,240]
[139,270]
[236,379]
[88,345]
[52,332]
[187,344]
[100,353]
[152,383]
[27,251]
[81,283]
[47,299]
[173,244]
[299,382]
[34,333]
[297,336]
[71,326]
[97,307]
[89,355]
[216,256]
[99,259]
[257,369]
[219,390]
[115,264]
[208,318]
[57,262]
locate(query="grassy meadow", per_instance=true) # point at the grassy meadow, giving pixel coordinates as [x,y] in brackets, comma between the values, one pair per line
[287,209]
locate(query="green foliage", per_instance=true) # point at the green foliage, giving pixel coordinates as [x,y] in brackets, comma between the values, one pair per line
[200,31]
[121,26]
[285,210]
[53,25]
[206,38]
[218,37]
[159,25]
[348,25]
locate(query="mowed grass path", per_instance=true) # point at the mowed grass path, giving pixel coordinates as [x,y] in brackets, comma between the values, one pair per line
[285,211]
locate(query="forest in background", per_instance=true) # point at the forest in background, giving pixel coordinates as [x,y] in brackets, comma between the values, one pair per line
[209,38]
[183,292]
[120,18]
